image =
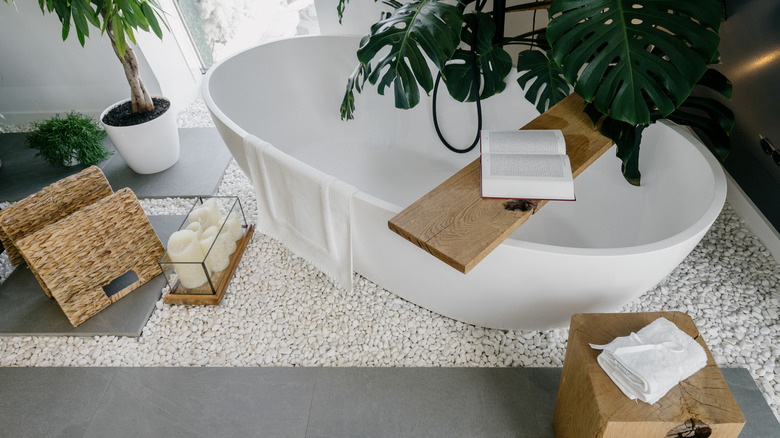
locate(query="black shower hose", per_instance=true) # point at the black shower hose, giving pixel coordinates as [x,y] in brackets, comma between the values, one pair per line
[475,90]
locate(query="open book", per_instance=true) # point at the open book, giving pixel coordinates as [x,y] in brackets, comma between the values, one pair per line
[525,164]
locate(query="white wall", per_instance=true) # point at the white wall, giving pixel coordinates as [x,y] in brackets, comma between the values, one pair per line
[41,75]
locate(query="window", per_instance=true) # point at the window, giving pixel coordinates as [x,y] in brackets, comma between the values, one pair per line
[220,28]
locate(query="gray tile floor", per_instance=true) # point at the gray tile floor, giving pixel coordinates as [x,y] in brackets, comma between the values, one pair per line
[301,402]
[203,153]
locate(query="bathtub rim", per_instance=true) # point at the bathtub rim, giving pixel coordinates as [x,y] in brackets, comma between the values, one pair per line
[704,222]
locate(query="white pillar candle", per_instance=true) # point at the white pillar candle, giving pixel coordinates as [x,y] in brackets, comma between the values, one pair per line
[197,228]
[183,246]
[216,257]
[213,211]
[233,225]
[199,216]
[207,214]
[225,245]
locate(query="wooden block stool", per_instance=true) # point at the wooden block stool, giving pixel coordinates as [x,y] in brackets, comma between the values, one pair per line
[590,405]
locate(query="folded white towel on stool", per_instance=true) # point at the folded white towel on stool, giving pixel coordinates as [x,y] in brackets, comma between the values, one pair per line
[647,364]
[306,209]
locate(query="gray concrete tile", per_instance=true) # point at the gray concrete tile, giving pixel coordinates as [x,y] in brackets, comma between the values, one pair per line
[202,162]
[205,402]
[50,402]
[760,421]
[26,310]
[297,402]
[23,174]
[433,402]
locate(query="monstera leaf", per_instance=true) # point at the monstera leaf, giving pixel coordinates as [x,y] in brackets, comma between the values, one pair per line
[627,138]
[428,26]
[549,86]
[355,82]
[709,117]
[631,57]
[493,62]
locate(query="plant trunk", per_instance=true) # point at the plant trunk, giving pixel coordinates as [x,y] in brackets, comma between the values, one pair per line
[139,97]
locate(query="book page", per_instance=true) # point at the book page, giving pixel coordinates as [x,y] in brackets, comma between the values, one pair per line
[525,165]
[524,142]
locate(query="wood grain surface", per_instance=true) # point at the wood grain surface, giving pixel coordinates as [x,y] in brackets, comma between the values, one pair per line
[589,404]
[455,224]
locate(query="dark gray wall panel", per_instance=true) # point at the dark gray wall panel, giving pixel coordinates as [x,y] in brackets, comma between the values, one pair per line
[750,51]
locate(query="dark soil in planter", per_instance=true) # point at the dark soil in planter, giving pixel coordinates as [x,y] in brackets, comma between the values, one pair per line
[122,115]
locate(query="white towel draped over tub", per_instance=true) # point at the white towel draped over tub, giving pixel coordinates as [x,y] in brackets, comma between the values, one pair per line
[647,364]
[304,208]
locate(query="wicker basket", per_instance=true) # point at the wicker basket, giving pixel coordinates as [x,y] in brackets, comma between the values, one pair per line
[78,255]
[49,205]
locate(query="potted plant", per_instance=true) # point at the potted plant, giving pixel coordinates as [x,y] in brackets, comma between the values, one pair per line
[633,61]
[142,128]
[73,139]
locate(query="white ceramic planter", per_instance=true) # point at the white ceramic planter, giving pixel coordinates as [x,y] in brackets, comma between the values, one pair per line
[150,147]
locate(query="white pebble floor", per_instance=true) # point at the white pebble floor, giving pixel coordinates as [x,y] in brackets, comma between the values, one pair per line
[281,311]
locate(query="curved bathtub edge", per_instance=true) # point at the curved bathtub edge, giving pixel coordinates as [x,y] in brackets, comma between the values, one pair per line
[506,290]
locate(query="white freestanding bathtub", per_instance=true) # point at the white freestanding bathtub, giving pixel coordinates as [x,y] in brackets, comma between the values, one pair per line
[592,255]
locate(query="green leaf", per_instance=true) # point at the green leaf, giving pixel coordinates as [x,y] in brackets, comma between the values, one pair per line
[62,9]
[549,86]
[80,36]
[355,82]
[629,57]
[65,30]
[340,7]
[119,33]
[594,114]
[109,4]
[710,118]
[90,13]
[493,62]
[428,26]
[627,137]
[79,10]
[716,81]
[129,33]
[149,13]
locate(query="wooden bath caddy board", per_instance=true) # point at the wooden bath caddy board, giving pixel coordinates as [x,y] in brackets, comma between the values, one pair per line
[203,295]
[75,257]
[455,224]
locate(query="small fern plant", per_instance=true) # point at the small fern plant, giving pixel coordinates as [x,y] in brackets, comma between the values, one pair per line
[60,140]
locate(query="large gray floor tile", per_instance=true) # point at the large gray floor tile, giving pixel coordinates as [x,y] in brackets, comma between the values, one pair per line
[50,402]
[23,174]
[297,402]
[760,421]
[205,402]
[26,310]
[202,162]
[433,402]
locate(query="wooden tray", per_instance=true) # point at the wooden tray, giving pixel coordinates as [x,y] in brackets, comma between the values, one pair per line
[203,294]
